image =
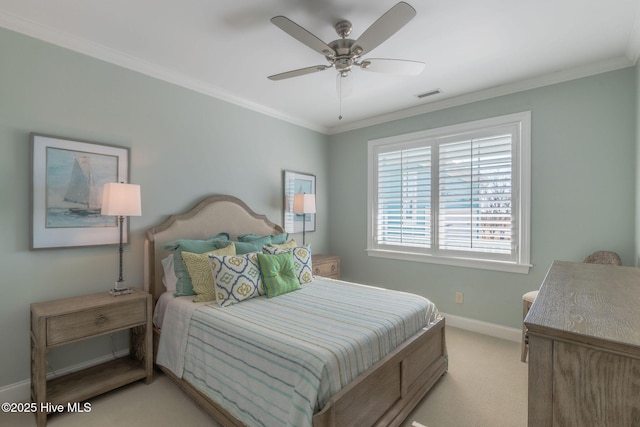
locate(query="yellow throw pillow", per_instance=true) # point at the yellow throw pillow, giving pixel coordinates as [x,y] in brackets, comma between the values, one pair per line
[199,270]
[290,244]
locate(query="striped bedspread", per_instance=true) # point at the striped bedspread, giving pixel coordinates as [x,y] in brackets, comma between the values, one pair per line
[274,362]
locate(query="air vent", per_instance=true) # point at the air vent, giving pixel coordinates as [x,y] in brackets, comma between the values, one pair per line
[430,93]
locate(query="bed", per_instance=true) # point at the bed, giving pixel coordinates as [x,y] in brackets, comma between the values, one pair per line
[383,394]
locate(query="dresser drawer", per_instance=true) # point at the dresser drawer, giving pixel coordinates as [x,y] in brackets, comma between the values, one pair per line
[95,321]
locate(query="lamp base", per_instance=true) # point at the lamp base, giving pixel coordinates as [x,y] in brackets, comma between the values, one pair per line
[120,289]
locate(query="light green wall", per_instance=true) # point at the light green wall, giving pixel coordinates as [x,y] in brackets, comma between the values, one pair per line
[583,193]
[184,146]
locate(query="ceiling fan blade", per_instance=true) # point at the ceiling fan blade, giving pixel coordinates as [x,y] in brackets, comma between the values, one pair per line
[386,26]
[393,66]
[299,72]
[302,35]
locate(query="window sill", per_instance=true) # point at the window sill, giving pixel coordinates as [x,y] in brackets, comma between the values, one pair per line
[509,267]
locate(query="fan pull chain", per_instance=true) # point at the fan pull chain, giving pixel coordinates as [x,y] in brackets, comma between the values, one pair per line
[339,97]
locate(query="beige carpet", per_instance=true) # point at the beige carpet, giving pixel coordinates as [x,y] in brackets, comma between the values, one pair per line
[486,386]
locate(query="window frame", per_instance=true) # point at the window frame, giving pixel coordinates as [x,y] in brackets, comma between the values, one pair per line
[521,194]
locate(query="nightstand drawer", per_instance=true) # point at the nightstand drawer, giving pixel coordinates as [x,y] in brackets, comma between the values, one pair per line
[326,266]
[326,270]
[95,321]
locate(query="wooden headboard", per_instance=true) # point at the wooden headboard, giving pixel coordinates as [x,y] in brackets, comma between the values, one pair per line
[213,215]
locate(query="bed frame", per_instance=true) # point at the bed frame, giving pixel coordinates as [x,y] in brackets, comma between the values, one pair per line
[384,395]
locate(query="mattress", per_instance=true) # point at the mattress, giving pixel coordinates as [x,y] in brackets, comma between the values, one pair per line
[277,361]
[161,308]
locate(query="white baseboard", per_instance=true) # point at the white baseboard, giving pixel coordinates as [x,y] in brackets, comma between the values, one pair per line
[21,391]
[486,328]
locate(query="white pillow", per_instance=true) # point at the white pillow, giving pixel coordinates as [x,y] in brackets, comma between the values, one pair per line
[169,279]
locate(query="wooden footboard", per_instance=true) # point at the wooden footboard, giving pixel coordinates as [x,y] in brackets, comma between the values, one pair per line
[387,392]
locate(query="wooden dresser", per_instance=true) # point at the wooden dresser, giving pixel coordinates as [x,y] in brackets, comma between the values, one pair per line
[64,321]
[584,347]
[326,266]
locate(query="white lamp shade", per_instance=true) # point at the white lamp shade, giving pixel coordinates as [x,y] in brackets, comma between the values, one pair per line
[121,199]
[304,203]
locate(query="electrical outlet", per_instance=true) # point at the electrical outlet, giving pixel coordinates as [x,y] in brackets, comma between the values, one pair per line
[459,297]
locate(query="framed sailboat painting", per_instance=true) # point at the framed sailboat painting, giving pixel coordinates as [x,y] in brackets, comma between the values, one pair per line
[67,177]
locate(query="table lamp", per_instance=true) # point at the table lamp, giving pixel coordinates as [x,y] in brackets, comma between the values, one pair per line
[304,204]
[121,200]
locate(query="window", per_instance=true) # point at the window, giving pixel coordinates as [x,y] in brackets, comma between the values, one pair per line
[457,195]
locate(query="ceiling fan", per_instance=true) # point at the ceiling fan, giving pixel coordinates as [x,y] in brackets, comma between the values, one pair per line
[343,54]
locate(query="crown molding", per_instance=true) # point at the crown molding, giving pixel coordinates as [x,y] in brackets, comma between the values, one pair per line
[113,56]
[493,92]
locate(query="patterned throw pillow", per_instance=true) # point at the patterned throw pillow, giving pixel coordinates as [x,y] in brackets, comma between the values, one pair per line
[235,278]
[301,261]
[278,274]
[199,270]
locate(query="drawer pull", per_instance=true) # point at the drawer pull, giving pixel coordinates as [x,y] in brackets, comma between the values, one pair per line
[333,267]
[101,320]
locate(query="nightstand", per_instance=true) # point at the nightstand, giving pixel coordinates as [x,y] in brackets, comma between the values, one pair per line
[326,266]
[60,322]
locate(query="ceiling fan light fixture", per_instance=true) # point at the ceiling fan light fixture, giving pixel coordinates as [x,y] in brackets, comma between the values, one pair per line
[344,84]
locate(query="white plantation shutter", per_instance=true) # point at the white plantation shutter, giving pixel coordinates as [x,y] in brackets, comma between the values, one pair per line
[453,193]
[475,195]
[404,197]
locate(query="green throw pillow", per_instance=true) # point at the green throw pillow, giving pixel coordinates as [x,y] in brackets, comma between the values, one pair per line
[248,247]
[184,286]
[278,274]
[301,260]
[275,238]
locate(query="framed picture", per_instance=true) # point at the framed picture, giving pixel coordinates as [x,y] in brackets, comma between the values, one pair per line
[298,183]
[67,177]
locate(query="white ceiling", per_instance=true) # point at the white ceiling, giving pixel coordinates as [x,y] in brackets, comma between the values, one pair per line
[473,49]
